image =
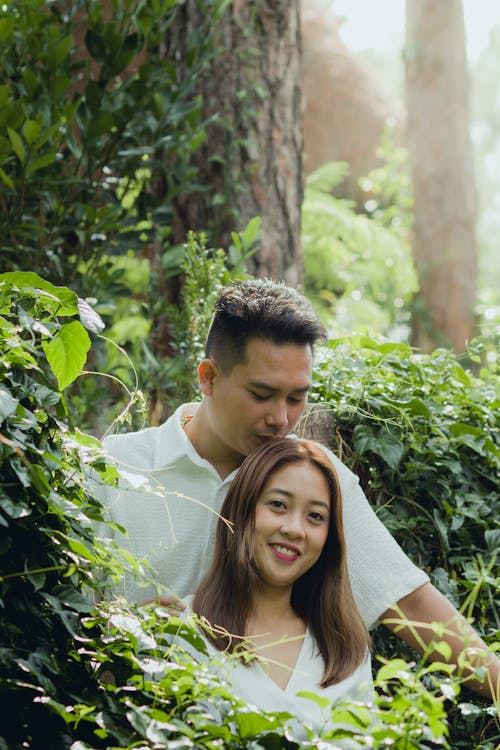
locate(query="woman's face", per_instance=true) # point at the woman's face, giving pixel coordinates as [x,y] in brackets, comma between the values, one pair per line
[291,523]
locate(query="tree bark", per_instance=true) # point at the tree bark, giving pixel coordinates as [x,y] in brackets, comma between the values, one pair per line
[437,90]
[252,157]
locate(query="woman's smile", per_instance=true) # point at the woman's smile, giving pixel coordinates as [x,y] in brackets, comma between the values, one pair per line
[285,552]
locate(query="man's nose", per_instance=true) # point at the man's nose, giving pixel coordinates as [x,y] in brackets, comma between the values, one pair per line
[277,415]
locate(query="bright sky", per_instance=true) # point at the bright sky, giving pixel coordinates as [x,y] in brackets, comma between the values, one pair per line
[380,25]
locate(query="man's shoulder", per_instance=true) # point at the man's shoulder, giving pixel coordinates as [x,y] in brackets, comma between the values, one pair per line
[138,445]
[151,446]
[344,474]
[343,471]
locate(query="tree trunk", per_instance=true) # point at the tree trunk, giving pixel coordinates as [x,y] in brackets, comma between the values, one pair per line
[437,89]
[251,161]
[346,112]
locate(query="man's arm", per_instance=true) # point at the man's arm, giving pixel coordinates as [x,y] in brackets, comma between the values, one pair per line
[412,618]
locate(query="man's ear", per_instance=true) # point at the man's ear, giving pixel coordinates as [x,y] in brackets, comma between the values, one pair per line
[206,374]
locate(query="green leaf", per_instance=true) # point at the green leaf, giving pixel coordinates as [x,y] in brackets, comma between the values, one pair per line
[30,131]
[492,539]
[381,442]
[40,162]
[66,301]
[100,124]
[63,48]
[443,648]
[13,509]
[442,529]
[6,179]
[95,45]
[6,27]
[393,668]
[250,723]
[252,231]
[30,81]
[17,144]
[39,480]
[321,701]
[67,352]
[8,404]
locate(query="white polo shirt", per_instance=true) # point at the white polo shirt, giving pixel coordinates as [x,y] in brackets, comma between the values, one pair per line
[168,502]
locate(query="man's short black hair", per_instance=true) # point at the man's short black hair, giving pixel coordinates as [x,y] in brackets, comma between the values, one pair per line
[263,309]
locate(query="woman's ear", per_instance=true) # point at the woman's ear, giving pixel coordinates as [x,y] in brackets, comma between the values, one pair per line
[206,374]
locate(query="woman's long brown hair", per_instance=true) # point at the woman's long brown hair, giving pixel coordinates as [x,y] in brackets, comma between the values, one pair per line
[322,597]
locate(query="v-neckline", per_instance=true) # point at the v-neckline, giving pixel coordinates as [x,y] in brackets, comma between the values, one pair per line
[293,669]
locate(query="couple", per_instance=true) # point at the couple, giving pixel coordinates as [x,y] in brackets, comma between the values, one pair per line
[254,381]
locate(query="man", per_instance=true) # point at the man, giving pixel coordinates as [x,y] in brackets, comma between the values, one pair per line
[254,380]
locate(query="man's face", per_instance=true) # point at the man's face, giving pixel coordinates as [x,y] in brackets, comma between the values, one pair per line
[262,398]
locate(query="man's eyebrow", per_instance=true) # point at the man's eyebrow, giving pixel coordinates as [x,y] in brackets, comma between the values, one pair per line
[267,387]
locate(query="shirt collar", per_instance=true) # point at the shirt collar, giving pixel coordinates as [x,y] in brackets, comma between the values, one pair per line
[172,442]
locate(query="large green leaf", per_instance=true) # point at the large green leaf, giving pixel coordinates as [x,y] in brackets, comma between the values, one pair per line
[65,301]
[379,441]
[67,352]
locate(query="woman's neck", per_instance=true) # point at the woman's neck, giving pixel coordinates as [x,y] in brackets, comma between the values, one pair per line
[276,633]
[272,611]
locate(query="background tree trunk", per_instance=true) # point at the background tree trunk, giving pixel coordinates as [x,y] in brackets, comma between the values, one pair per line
[251,160]
[346,111]
[437,91]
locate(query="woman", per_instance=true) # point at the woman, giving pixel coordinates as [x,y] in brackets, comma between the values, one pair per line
[278,584]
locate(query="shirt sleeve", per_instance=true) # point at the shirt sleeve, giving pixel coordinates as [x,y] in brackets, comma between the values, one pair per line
[380,572]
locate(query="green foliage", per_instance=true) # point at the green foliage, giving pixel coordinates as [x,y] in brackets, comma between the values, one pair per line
[96,134]
[422,433]
[390,188]
[204,271]
[358,271]
[50,563]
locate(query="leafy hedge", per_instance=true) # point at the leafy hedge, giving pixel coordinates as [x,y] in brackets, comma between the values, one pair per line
[423,435]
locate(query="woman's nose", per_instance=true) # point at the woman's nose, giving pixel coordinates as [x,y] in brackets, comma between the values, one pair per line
[293,527]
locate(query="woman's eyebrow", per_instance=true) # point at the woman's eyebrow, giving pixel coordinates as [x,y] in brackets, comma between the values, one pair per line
[281,492]
[322,504]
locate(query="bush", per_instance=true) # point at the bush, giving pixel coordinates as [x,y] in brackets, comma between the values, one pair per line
[422,433]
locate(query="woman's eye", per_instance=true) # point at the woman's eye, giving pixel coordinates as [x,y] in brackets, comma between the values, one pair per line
[277,504]
[316,517]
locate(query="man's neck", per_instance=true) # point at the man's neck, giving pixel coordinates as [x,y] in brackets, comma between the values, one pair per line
[223,461]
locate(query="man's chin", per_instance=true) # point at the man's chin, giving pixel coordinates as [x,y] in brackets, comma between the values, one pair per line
[263,439]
